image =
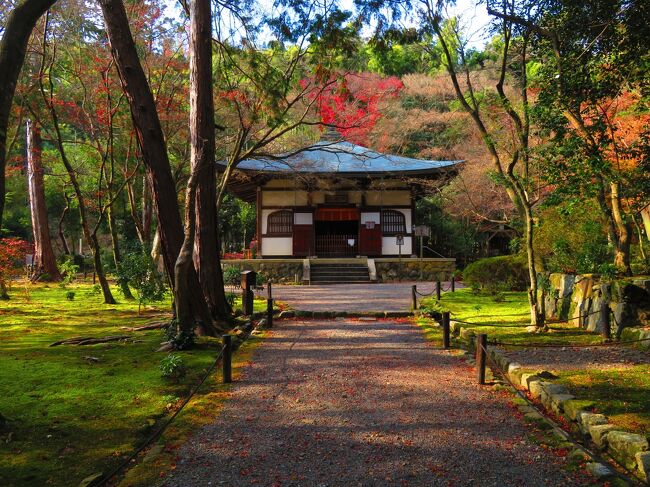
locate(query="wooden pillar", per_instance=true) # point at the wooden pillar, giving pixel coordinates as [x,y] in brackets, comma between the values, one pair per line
[258,221]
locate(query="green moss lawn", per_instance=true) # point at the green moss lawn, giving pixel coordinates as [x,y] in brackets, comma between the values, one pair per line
[506,320]
[623,394]
[69,416]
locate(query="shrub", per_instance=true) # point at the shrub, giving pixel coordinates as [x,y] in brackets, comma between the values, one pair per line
[231,276]
[172,367]
[495,274]
[68,270]
[12,260]
[138,270]
[70,295]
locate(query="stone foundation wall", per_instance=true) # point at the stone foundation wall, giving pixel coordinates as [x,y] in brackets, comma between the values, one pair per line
[391,269]
[580,297]
[277,270]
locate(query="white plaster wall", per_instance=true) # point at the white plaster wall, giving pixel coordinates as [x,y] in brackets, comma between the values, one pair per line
[384,198]
[277,246]
[389,247]
[284,198]
[371,217]
[303,218]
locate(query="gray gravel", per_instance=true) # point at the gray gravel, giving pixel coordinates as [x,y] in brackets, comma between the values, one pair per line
[363,403]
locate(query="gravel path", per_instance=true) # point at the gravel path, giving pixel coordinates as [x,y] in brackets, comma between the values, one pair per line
[362,403]
[391,296]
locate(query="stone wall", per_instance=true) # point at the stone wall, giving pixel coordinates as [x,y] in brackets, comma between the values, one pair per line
[580,297]
[391,269]
[277,270]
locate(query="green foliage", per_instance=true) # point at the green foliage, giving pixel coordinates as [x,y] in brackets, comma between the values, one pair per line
[431,307]
[68,270]
[180,339]
[172,367]
[495,274]
[230,298]
[138,270]
[231,276]
[571,240]
[69,295]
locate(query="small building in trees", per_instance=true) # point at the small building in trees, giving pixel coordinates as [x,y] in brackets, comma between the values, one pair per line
[336,199]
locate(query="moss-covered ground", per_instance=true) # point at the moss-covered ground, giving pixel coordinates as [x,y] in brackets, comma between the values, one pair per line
[623,394]
[74,411]
[505,317]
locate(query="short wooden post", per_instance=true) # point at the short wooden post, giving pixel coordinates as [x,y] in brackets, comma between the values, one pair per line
[269,312]
[227,359]
[445,329]
[453,283]
[481,357]
[438,290]
[604,314]
[269,293]
[414,297]
[94,277]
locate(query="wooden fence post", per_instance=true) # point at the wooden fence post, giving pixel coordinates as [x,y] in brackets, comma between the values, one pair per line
[414,297]
[445,330]
[269,312]
[438,290]
[227,359]
[605,315]
[453,283]
[481,356]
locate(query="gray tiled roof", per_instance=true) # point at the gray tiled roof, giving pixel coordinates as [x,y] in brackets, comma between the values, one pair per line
[344,158]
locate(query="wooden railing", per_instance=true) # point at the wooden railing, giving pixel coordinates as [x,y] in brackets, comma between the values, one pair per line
[337,245]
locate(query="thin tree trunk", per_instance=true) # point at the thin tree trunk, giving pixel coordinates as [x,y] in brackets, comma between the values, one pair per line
[13,47]
[147,212]
[117,257]
[45,268]
[64,242]
[206,246]
[154,153]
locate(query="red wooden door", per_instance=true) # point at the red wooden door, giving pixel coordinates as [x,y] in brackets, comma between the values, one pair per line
[370,240]
[303,240]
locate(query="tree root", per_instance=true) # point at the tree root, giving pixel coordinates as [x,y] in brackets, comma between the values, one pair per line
[89,340]
[152,326]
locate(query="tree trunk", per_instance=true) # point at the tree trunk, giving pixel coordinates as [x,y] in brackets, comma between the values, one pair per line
[117,256]
[45,268]
[206,246]
[13,47]
[64,242]
[147,212]
[154,153]
[623,233]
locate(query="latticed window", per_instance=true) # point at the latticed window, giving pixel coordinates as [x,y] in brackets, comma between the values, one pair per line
[280,223]
[393,222]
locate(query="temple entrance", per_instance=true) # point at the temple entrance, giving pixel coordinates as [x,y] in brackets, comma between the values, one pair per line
[337,232]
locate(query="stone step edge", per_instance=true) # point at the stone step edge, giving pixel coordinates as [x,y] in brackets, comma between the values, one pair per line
[293,313]
[629,449]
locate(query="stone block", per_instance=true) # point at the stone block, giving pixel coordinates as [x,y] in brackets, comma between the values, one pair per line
[587,420]
[643,465]
[598,433]
[624,446]
[573,407]
[558,401]
[527,378]
[536,388]
[599,471]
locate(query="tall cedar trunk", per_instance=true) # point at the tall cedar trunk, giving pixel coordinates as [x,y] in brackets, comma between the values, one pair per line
[154,153]
[206,247]
[117,256]
[45,268]
[17,29]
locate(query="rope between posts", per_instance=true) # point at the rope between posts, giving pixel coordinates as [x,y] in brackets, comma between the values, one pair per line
[425,294]
[630,476]
[560,345]
[550,322]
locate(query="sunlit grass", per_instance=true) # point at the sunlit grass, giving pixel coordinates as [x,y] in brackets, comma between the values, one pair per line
[506,320]
[69,416]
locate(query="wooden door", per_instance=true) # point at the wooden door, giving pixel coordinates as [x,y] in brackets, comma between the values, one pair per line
[303,240]
[370,240]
